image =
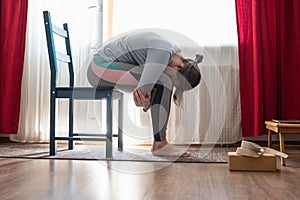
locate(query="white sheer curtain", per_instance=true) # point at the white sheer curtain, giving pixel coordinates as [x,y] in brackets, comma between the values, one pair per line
[83,19]
[211,111]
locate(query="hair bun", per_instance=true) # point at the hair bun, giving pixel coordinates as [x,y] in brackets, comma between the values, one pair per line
[198,58]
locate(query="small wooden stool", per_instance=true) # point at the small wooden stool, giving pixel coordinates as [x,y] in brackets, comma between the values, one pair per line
[281,129]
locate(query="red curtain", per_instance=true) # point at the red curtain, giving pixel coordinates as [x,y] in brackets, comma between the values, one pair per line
[269,58]
[13,17]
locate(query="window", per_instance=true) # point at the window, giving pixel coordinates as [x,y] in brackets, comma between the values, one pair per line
[205,22]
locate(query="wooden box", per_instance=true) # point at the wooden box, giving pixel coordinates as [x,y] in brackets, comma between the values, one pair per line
[267,162]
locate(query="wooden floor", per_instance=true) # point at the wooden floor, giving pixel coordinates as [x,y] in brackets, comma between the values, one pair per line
[62,179]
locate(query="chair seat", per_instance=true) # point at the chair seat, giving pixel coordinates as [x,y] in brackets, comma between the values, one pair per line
[87,93]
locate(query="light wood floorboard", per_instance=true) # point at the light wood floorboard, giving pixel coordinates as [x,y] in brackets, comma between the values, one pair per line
[62,179]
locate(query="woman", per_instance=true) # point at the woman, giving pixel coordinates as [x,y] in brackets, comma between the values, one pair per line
[148,65]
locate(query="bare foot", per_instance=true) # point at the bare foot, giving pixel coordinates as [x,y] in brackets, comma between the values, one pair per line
[163,148]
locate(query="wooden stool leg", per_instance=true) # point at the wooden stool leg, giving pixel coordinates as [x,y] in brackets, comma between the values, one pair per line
[281,143]
[269,138]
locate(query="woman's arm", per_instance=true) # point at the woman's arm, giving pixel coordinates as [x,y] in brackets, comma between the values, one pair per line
[156,62]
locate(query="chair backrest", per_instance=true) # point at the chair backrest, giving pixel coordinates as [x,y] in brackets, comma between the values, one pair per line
[54,55]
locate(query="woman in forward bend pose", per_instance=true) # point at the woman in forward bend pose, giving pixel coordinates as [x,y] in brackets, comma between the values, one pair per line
[150,66]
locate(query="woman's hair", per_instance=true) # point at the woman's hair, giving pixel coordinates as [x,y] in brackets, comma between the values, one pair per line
[189,77]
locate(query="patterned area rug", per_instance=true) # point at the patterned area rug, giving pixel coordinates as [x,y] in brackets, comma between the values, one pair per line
[97,152]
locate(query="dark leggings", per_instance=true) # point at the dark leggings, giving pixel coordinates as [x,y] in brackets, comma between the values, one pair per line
[160,107]
[160,110]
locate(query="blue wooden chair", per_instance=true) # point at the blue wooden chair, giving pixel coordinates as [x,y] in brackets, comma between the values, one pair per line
[77,93]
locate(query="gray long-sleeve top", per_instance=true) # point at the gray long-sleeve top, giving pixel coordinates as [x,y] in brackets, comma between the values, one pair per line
[148,50]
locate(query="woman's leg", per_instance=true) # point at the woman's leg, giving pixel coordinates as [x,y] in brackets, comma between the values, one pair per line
[98,81]
[160,110]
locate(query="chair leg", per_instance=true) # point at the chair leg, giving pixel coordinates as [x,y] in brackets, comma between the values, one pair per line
[71,125]
[120,124]
[109,127]
[52,126]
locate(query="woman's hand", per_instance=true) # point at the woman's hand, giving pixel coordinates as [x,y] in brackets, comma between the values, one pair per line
[140,100]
